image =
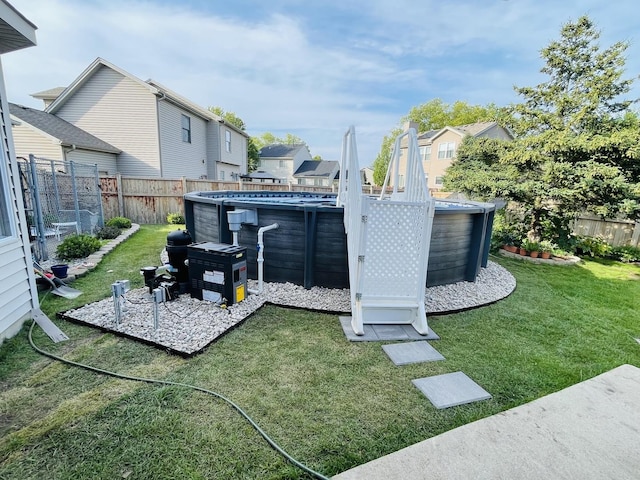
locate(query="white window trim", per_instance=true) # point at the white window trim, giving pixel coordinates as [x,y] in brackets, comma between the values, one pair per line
[227,140]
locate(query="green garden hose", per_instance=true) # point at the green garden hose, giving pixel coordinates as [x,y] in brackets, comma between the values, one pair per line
[273,444]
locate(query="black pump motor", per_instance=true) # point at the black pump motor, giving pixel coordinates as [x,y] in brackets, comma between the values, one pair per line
[177,243]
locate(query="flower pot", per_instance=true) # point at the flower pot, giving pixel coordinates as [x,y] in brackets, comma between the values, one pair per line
[523,252]
[510,248]
[545,255]
[60,271]
[534,254]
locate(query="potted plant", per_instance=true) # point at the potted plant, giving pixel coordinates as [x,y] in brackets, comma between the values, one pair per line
[546,247]
[509,243]
[533,248]
[522,250]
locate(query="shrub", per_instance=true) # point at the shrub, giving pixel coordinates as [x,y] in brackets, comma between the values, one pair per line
[626,254]
[107,232]
[592,246]
[77,246]
[175,219]
[119,222]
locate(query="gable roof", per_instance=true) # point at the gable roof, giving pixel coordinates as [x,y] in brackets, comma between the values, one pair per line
[473,129]
[279,150]
[152,86]
[50,94]
[316,168]
[67,133]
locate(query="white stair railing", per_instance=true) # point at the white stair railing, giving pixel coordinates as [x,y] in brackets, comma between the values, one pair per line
[388,239]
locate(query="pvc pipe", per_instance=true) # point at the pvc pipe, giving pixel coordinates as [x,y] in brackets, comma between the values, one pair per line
[261,231]
[235,239]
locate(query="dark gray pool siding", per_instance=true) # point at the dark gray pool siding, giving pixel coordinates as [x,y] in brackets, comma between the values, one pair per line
[309,247]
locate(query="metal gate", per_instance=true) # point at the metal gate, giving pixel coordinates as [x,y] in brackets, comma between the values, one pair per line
[61,198]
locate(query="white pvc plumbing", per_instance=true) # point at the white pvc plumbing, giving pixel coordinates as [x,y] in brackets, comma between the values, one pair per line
[261,231]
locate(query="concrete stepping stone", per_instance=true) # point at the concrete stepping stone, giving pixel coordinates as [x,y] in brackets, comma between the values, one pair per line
[450,390]
[378,333]
[411,352]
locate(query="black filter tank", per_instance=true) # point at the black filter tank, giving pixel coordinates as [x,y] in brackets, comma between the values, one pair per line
[177,243]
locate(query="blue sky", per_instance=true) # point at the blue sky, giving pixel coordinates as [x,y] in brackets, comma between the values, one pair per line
[312,68]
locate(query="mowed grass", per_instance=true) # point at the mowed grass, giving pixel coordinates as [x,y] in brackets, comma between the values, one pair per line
[330,403]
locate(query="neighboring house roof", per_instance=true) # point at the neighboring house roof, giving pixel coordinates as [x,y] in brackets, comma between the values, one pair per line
[279,150]
[473,129]
[67,133]
[316,168]
[16,31]
[153,87]
[50,94]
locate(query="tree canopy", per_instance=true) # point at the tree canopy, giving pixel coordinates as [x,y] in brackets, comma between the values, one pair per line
[577,145]
[433,115]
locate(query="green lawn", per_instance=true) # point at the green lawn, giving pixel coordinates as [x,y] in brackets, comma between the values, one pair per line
[330,403]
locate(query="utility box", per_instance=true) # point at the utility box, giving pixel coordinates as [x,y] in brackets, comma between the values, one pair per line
[217,272]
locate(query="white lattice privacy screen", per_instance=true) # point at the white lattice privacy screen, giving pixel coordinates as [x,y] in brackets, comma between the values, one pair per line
[387,240]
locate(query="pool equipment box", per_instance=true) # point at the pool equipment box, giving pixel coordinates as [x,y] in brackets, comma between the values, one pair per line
[217,272]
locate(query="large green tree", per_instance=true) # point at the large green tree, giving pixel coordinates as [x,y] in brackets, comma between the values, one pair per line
[253,157]
[577,146]
[433,115]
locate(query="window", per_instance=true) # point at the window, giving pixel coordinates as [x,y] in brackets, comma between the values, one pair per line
[186,129]
[301,181]
[446,149]
[425,153]
[221,175]
[227,140]
[282,163]
[438,180]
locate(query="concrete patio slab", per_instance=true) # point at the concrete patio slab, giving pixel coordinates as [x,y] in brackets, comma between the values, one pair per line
[411,352]
[379,333]
[588,431]
[451,389]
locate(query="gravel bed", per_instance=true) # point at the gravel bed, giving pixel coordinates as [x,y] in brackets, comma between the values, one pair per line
[187,325]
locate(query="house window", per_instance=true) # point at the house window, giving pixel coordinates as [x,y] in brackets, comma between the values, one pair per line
[301,181]
[282,164]
[186,129]
[425,152]
[438,180]
[222,175]
[227,140]
[446,149]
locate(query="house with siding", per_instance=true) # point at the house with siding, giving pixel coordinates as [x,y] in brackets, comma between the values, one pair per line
[56,139]
[18,293]
[157,132]
[438,148]
[318,173]
[282,161]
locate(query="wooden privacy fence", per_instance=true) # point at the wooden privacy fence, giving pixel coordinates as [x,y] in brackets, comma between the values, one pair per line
[150,200]
[615,232]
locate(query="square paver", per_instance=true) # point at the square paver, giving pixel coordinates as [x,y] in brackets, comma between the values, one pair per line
[450,390]
[378,333]
[411,352]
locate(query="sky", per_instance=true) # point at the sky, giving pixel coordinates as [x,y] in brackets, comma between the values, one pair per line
[312,68]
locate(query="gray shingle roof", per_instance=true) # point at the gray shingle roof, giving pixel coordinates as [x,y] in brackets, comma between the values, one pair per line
[316,168]
[52,93]
[64,131]
[260,174]
[280,150]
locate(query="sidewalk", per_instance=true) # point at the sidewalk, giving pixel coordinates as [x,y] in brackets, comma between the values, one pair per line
[590,430]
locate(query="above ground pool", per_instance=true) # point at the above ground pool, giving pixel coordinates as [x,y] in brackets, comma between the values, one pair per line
[310,246]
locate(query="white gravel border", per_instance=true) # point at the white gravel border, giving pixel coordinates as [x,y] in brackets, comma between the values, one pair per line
[187,325]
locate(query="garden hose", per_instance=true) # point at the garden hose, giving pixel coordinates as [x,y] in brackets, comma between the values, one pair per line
[268,439]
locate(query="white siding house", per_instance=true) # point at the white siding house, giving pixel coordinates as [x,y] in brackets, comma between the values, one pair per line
[282,161]
[18,294]
[158,132]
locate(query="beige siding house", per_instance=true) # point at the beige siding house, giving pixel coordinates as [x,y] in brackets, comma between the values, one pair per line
[438,148]
[47,136]
[282,161]
[18,294]
[157,132]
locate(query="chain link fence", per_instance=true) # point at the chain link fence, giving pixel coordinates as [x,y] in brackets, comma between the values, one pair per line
[61,198]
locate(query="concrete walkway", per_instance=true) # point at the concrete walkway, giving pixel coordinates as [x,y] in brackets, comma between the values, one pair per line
[587,431]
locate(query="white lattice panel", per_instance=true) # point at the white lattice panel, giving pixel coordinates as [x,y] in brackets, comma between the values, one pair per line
[394,245]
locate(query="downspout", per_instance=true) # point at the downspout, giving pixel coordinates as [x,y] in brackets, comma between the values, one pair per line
[160,97]
[261,231]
